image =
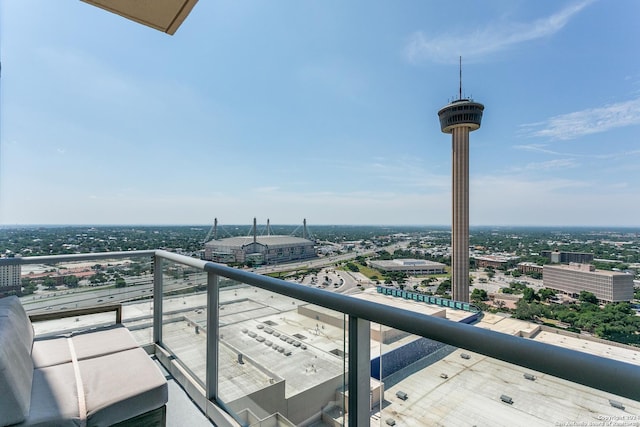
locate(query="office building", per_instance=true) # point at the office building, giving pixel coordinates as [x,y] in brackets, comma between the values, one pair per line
[607,286]
[10,280]
[559,257]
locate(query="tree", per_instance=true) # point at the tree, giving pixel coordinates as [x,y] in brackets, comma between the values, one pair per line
[28,286]
[490,273]
[351,266]
[120,283]
[528,311]
[529,295]
[588,297]
[71,281]
[49,283]
[98,278]
[479,295]
[546,293]
[536,275]
[444,287]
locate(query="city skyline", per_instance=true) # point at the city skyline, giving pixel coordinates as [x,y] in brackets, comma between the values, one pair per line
[293,111]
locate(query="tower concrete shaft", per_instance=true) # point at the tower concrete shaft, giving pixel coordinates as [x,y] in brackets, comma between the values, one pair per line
[460,214]
[459,118]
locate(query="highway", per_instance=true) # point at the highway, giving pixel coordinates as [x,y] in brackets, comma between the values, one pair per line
[142,286]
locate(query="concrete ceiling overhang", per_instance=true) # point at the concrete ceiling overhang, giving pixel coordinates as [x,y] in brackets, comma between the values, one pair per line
[163,15]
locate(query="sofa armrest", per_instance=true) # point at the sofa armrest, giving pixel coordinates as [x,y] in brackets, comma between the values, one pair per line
[79,312]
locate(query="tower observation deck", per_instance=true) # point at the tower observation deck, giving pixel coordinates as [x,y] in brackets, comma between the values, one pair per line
[459,118]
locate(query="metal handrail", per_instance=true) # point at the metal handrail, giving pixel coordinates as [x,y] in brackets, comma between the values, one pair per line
[605,374]
[54,259]
[608,375]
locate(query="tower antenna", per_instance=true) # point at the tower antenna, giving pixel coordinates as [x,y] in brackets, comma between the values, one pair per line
[460,90]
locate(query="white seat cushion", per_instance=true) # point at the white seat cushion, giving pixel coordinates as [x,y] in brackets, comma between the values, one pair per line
[12,307]
[16,374]
[55,397]
[122,385]
[88,344]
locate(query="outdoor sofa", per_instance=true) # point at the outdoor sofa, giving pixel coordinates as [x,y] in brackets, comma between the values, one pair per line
[99,377]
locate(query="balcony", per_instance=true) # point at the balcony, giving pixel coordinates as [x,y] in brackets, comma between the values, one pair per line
[257,351]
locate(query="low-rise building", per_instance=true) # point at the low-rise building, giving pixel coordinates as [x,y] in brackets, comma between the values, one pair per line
[495,261]
[409,266]
[607,286]
[529,267]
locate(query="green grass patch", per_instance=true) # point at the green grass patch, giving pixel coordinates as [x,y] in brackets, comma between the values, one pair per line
[367,271]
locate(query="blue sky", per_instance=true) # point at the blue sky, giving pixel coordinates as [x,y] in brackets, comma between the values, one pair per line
[319,110]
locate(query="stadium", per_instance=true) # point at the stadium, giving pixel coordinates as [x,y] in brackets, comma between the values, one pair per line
[259,250]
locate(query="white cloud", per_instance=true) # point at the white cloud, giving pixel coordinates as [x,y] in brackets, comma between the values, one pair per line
[541,148]
[493,38]
[579,123]
[547,165]
[505,199]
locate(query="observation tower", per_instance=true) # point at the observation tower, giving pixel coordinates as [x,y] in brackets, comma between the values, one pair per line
[459,118]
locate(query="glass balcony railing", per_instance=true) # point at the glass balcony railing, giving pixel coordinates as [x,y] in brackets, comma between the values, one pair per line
[258,351]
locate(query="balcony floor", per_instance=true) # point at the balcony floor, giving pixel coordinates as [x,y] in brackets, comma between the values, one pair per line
[181,410]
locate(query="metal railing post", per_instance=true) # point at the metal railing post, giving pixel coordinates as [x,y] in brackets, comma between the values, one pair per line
[359,371]
[157,299]
[213,325]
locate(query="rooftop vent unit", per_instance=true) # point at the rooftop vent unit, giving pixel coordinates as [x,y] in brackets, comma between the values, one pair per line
[465,356]
[530,377]
[390,422]
[616,404]
[506,399]
[402,395]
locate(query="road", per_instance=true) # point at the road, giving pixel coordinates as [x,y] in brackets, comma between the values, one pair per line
[142,286]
